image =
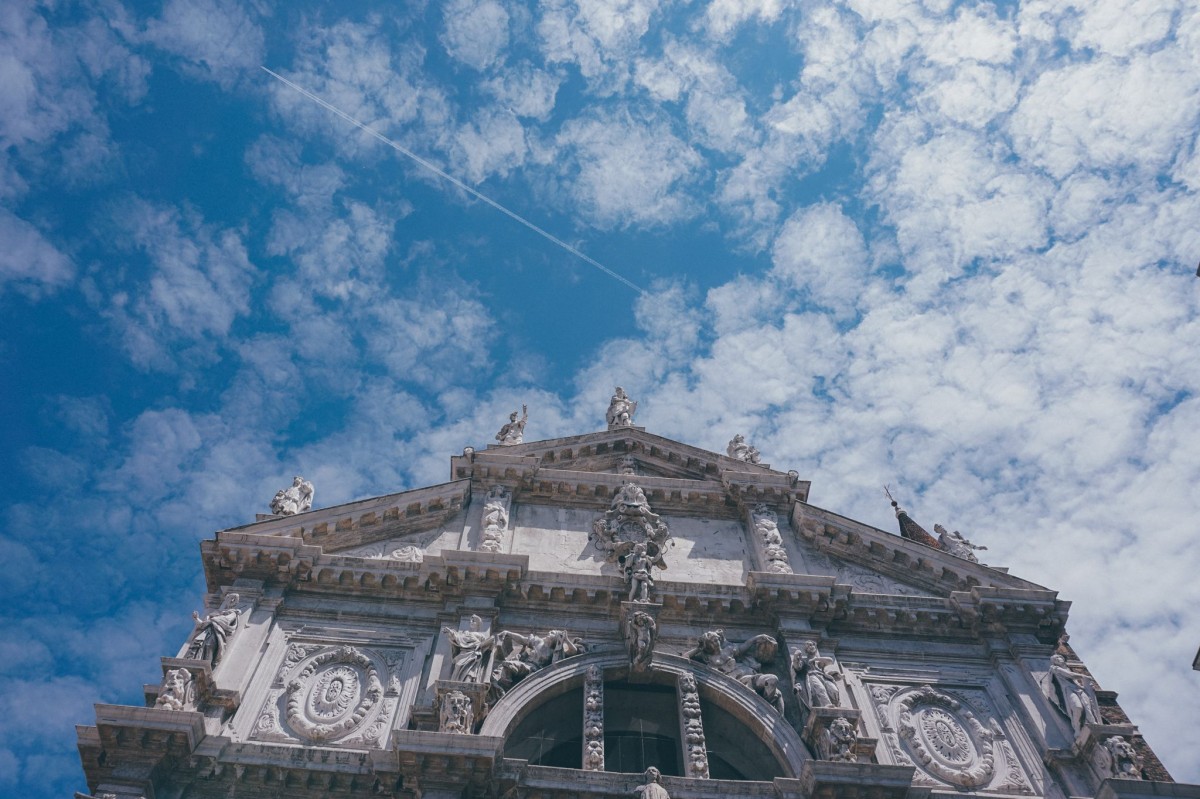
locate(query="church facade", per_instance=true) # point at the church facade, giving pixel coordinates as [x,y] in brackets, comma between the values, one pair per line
[614,614]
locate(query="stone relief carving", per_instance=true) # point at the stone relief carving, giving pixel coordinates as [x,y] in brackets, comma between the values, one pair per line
[210,638]
[815,677]
[743,662]
[333,695]
[956,545]
[641,633]
[766,526]
[522,655]
[495,518]
[693,727]
[838,740]
[738,449]
[593,719]
[178,691]
[1073,694]
[620,410]
[858,577]
[652,788]
[945,739]
[514,431]
[469,649]
[1116,758]
[456,714]
[628,465]
[388,550]
[296,498]
[627,523]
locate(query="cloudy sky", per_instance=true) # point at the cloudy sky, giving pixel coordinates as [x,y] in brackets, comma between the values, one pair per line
[946,246]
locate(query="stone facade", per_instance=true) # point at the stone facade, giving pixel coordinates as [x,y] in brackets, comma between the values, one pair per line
[606,614]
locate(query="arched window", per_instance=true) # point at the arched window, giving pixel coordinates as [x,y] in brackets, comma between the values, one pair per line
[641,729]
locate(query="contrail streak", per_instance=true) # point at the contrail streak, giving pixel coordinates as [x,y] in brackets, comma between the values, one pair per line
[401,149]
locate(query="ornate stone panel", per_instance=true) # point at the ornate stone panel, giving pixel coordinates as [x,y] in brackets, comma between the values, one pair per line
[332,694]
[951,736]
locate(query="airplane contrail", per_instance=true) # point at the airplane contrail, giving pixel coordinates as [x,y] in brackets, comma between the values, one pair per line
[401,149]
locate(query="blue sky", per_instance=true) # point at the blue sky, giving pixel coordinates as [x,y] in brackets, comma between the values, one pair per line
[946,246]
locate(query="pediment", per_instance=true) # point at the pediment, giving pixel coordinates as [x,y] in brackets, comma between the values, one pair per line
[614,451]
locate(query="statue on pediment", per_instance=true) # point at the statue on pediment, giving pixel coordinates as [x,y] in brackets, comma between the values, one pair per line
[296,498]
[956,545]
[743,662]
[738,449]
[629,522]
[211,636]
[514,431]
[620,410]
[1072,693]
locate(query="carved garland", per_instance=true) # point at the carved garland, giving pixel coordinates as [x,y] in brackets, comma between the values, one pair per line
[693,727]
[593,719]
[766,524]
[933,725]
[326,703]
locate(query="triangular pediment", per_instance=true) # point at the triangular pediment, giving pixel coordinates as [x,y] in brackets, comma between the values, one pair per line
[648,455]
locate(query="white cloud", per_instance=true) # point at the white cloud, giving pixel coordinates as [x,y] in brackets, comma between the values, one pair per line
[526,91]
[821,252]
[476,31]
[596,35]
[28,261]
[1109,114]
[723,17]
[494,144]
[623,171]
[218,40]
[199,282]
[1113,27]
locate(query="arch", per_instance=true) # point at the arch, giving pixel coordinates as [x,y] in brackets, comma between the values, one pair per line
[747,707]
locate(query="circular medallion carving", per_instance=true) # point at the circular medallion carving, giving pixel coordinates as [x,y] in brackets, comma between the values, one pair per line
[333,694]
[945,739]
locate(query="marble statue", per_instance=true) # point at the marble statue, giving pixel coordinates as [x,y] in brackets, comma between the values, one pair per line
[210,638]
[514,431]
[495,518]
[838,740]
[815,677]
[457,714]
[296,498]
[620,410]
[1074,694]
[743,662]
[177,691]
[637,574]
[1118,759]
[738,449]
[525,654]
[469,648]
[641,632]
[956,545]
[652,788]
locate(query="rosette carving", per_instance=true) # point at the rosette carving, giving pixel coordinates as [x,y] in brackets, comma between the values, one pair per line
[945,739]
[333,695]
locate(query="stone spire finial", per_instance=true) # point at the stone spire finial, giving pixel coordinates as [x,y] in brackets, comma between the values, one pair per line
[908,528]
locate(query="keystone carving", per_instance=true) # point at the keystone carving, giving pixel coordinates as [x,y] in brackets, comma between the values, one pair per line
[641,633]
[628,523]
